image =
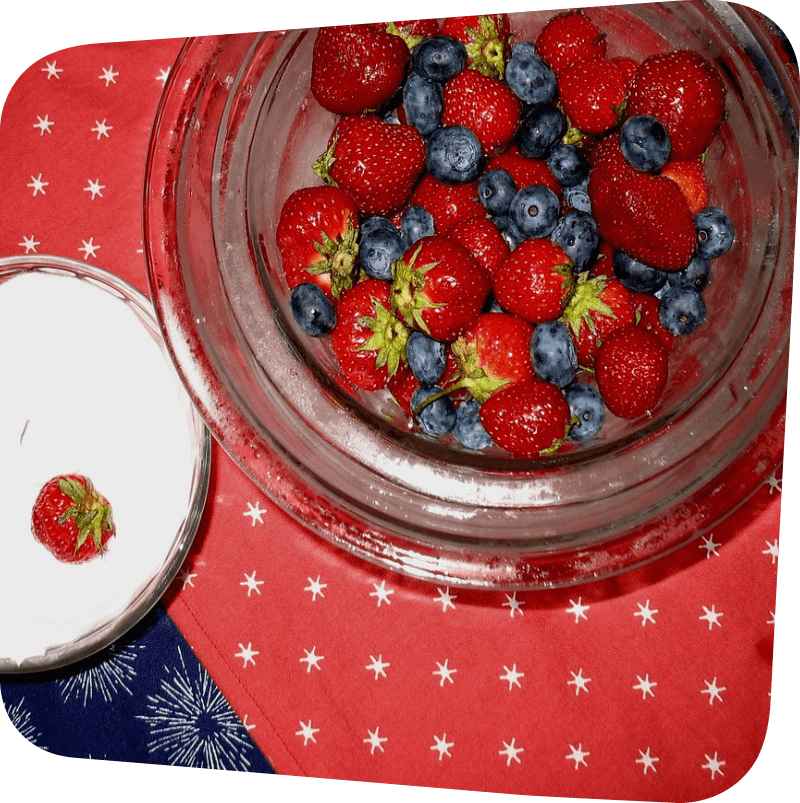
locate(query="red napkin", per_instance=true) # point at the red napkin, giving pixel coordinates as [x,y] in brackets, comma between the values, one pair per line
[653,686]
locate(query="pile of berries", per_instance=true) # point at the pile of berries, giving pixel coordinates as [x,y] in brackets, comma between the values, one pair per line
[507,235]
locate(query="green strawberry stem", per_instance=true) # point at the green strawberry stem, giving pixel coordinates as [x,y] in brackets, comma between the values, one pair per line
[90,511]
[586,299]
[486,48]
[472,376]
[339,258]
[388,339]
[322,166]
[408,291]
[411,40]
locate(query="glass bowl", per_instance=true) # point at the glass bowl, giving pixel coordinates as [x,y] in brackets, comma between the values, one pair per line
[236,133]
[95,395]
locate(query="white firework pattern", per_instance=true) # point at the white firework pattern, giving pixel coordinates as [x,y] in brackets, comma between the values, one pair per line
[107,679]
[193,725]
[21,719]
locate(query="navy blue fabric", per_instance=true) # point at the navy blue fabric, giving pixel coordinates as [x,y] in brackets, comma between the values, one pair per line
[144,699]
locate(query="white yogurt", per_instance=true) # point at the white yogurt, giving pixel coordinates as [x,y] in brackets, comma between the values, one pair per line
[84,388]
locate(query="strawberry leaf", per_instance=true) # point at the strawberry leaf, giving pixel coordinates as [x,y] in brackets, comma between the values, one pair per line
[388,339]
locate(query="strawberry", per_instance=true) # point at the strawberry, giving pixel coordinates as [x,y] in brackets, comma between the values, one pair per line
[71,519]
[317,237]
[368,340]
[377,162]
[485,105]
[689,175]
[483,240]
[412,32]
[604,262]
[402,386]
[487,38]
[627,68]
[525,171]
[527,419]
[439,288]
[631,371]
[492,353]
[646,307]
[597,307]
[448,203]
[568,38]
[592,94]
[535,281]
[357,68]
[647,216]
[685,92]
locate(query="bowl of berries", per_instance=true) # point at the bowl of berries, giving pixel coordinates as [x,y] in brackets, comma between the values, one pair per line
[498,301]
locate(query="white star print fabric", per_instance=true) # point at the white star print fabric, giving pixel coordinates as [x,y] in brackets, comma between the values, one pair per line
[343,670]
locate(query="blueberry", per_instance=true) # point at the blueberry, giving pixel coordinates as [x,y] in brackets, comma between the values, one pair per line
[715,232]
[540,129]
[436,418]
[578,196]
[587,409]
[469,430]
[695,276]
[553,353]
[513,236]
[454,155]
[416,223]
[312,309]
[496,189]
[636,275]
[529,77]
[422,101]
[568,165]
[426,357]
[682,310]
[378,250]
[438,58]
[576,233]
[373,223]
[644,143]
[534,211]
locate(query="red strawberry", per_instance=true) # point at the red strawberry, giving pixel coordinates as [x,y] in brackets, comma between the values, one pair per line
[483,240]
[627,67]
[647,308]
[604,262]
[368,340]
[412,32]
[71,519]
[684,91]
[525,171]
[487,38]
[535,281]
[689,175]
[493,353]
[631,371]
[377,162]
[592,94]
[485,105]
[439,288]
[568,38]
[317,237]
[598,306]
[402,386]
[527,419]
[356,68]
[646,216]
[448,203]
